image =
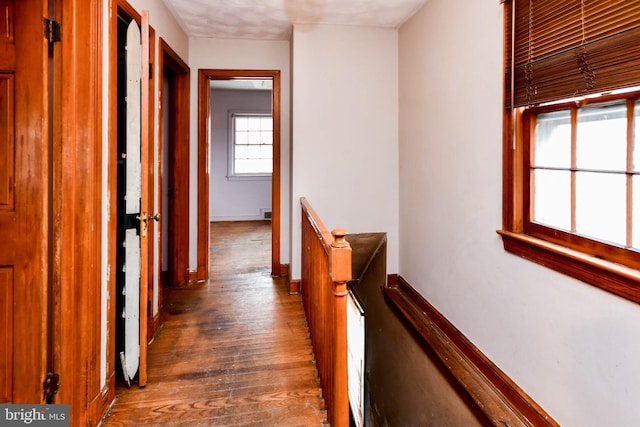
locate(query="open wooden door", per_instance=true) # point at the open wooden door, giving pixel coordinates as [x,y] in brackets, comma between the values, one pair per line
[136,202]
[130,354]
[24,201]
[146,199]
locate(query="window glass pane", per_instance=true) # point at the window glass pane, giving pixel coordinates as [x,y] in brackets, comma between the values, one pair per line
[254,137]
[636,138]
[264,165]
[241,123]
[602,137]
[266,151]
[552,198]
[266,123]
[553,140]
[254,123]
[266,138]
[242,151]
[601,206]
[242,166]
[253,166]
[242,137]
[635,238]
[253,152]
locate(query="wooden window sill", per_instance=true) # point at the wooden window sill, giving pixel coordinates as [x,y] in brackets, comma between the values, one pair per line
[612,277]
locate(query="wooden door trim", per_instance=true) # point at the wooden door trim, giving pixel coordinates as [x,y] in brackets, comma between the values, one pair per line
[76,233]
[204,102]
[146,196]
[169,59]
[179,162]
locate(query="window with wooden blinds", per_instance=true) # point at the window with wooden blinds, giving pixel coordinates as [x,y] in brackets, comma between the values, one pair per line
[563,49]
[571,139]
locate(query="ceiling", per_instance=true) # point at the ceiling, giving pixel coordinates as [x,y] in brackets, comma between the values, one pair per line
[272,19]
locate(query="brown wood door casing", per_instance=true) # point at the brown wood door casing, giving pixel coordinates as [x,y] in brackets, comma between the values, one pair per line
[173,126]
[204,94]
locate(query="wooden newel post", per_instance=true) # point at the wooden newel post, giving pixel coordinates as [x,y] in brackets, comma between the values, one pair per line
[340,274]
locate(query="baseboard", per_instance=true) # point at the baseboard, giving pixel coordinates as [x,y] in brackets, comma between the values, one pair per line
[294,286]
[198,275]
[495,395]
[156,323]
[101,405]
[279,270]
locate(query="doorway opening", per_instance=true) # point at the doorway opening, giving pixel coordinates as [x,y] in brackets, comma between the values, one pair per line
[271,79]
[172,246]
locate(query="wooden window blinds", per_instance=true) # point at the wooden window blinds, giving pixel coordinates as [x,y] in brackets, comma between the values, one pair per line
[563,49]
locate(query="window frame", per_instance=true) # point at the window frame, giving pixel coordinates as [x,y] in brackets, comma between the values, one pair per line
[610,267]
[232,175]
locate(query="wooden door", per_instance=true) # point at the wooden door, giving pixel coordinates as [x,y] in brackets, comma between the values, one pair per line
[135,244]
[135,193]
[130,356]
[147,196]
[24,200]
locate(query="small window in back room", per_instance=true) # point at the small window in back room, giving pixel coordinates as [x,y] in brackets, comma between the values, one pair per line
[251,145]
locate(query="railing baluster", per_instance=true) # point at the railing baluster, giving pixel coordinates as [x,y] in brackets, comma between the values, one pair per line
[326,269]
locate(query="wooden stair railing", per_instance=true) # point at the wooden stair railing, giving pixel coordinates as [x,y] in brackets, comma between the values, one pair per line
[326,269]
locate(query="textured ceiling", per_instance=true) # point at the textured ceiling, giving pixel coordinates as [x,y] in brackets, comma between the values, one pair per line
[272,19]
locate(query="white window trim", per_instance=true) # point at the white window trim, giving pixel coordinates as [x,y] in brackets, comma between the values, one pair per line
[231,175]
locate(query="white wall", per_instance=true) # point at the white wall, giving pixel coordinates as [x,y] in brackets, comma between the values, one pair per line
[234,200]
[345,130]
[249,55]
[574,348]
[165,26]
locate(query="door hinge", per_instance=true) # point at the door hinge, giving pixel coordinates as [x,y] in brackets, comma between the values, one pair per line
[52,30]
[50,386]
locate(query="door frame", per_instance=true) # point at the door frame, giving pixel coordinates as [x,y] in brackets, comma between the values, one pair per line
[77,192]
[179,161]
[204,103]
[178,156]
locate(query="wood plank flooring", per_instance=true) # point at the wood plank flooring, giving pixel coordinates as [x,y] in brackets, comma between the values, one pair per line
[233,351]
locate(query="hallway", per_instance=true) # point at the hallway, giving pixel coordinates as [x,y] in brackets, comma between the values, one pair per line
[233,351]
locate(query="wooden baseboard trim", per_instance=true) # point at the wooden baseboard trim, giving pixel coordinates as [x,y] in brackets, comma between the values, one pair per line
[193,276]
[156,323]
[492,391]
[279,270]
[294,287]
[284,270]
[100,406]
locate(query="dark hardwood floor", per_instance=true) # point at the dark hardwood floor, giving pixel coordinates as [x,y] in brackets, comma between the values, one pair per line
[233,351]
